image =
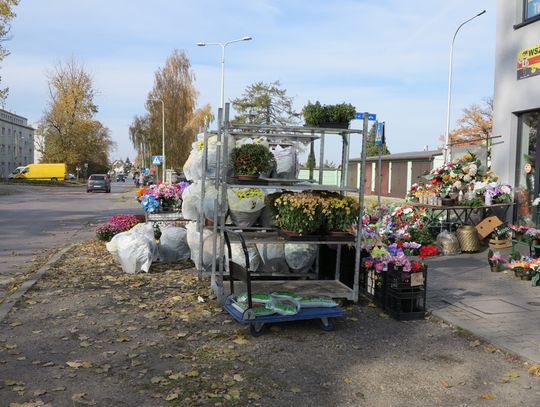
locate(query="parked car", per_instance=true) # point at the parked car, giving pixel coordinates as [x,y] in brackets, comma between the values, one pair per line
[98,182]
[70,176]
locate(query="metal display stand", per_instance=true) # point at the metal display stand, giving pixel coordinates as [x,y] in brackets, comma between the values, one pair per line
[290,136]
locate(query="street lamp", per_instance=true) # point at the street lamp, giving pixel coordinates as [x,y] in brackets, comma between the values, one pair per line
[163,135]
[223,45]
[446,155]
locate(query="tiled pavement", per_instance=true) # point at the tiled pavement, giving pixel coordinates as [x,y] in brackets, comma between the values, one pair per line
[497,307]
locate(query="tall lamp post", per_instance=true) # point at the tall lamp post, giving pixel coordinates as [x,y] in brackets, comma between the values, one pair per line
[446,154]
[223,45]
[163,136]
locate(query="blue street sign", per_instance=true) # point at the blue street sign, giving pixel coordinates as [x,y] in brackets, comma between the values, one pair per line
[379,133]
[371,116]
[156,160]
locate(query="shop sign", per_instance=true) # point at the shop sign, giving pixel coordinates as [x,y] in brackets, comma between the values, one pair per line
[528,62]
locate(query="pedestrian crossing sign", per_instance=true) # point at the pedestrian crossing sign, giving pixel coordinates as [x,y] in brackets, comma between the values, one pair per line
[156,160]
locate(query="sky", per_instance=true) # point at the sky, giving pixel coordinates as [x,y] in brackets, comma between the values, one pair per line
[388,57]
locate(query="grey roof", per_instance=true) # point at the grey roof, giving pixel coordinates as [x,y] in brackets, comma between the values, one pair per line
[414,155]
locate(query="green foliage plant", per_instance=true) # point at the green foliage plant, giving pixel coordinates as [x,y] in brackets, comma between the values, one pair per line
[318,115]
[252,159]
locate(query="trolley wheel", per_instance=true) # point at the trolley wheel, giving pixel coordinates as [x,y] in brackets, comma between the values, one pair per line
[256,329]
[327,324]
[248,315]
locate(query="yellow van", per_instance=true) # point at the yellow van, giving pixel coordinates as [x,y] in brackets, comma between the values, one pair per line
[54,172]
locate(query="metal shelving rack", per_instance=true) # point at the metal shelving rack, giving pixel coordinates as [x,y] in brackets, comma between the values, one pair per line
[282,135]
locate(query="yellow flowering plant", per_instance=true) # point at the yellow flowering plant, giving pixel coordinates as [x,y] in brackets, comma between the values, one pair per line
[339,212]
[299,212]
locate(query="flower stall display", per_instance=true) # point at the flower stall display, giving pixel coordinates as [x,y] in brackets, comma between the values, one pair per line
[251,160]
[465,181]
[245,205]
[161,197]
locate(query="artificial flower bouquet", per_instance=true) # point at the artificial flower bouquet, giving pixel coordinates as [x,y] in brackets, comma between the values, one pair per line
[161,197]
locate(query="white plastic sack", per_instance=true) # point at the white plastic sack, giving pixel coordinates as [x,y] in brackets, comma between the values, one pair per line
[244,212]
[193,240]
[135,249]
[210,195]
[285,162]
[173,244]
[191,199]
[193,165]
[300,257]
[238,257]
[273,258]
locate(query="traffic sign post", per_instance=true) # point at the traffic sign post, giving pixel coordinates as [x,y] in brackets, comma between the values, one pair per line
[156,160]
[371,116]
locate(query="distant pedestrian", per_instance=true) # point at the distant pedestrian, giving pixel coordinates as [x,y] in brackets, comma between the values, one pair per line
[141,179]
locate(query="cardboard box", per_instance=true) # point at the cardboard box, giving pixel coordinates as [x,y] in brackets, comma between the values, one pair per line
[488,225]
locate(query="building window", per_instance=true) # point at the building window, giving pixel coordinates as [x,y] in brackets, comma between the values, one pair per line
[531,9]
[528,168]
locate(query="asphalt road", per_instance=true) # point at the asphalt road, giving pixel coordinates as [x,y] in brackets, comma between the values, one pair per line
[36,221]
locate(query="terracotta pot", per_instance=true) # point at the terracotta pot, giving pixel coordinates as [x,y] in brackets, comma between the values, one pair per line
[248,177]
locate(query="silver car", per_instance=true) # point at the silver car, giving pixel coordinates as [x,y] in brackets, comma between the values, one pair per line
[98,182]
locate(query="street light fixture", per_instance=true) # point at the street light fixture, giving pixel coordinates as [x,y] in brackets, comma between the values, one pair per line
[163,136]
[446,155]
[223,45]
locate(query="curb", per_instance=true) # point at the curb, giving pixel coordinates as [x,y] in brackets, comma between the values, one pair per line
[10,302]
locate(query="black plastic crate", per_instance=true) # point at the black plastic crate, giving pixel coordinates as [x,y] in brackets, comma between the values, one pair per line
[405,293]
[373,286]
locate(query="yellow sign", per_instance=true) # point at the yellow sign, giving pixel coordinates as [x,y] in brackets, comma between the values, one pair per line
[528,62]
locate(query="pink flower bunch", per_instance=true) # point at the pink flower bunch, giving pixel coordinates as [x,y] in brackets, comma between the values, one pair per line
[106,231]
[123,222]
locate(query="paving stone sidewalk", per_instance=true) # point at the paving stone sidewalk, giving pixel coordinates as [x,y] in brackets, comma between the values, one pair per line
[497,307]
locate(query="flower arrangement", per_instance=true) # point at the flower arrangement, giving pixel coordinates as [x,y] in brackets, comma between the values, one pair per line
[252,160]
[161,196]
[428,250]
[299,212]
[116,224]
[495,260]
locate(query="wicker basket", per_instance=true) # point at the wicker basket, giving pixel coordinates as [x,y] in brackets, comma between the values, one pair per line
[497,244]
[468,238]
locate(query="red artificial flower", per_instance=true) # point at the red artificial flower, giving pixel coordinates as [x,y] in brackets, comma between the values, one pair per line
[415,266]
[429,250]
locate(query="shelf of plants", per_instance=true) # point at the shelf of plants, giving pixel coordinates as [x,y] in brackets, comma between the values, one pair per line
[315,209]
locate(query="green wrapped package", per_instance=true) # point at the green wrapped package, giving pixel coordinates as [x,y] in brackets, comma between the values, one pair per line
[258,309]
[287,295]
[284,307]
[317,302]
[255,297]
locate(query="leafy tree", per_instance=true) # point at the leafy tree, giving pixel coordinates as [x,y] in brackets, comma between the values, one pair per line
[474,126]
[70,133]
[6,15]
[372,149]
[173,84]
[265,103]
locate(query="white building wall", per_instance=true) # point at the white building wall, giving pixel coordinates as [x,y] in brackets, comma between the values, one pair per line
[511,96]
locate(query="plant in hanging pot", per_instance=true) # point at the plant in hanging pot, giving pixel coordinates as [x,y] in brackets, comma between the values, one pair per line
[298,213]
[251,160]
[331,116]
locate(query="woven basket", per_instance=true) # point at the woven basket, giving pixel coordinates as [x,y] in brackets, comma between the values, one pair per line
[468,238]
[496,244]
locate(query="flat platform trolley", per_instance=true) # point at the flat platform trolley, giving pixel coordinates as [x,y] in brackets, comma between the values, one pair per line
[257,324]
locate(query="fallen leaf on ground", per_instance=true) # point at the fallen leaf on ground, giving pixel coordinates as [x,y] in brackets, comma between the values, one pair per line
[489,349]
[487,396]
[240,341]
[512,375]
[352,319]
[81,398]
[171,396]
[16,323]
[347,380]
[444,384]
[534,370]
[371,305]
[296,389]
[238,378]
[85,344]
